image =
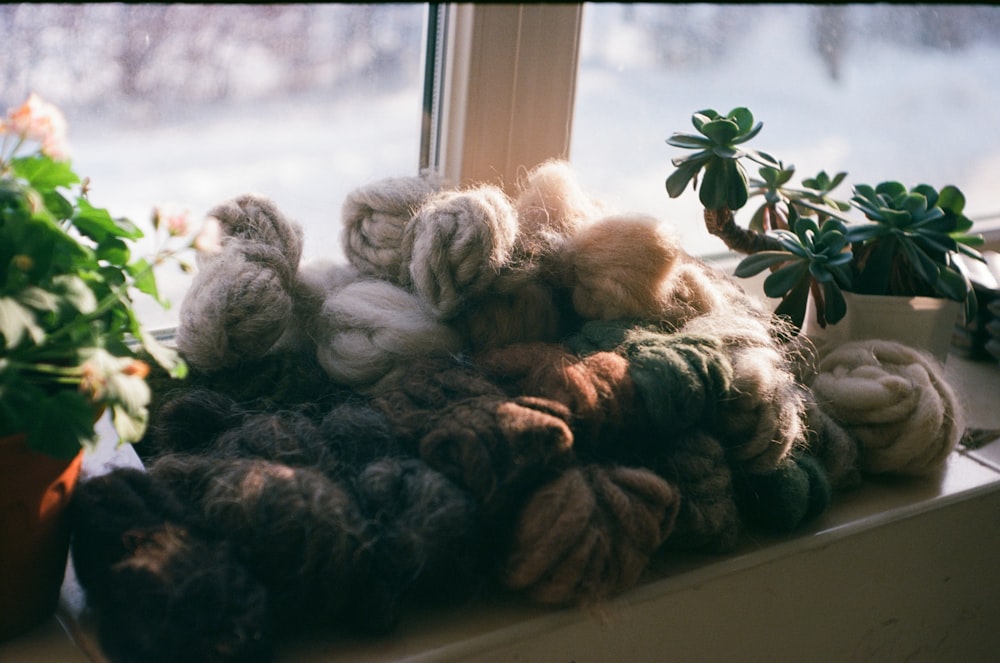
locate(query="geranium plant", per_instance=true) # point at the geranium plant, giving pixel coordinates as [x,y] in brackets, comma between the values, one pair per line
[71,344]
[906,245]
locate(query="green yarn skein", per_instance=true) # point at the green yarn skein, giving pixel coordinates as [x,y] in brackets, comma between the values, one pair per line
[780,501]
[680,377]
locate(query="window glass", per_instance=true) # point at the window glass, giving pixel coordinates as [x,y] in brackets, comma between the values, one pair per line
[881,91]
[191,105]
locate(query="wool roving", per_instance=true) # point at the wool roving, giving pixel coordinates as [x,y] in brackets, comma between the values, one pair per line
[355,434]
[374,218]
[161,592]
[616,267]
[681,378]
[597,389]
[782,499]
[236,308]
[426,386]
[708,518]
[762,416]
[239,303]
[589,534]
[458,242]
[895,401]
[551,206]
[828,442]
[497,448]
[519,307]
[370,328]
[428,531]
[189,420]
[298,532]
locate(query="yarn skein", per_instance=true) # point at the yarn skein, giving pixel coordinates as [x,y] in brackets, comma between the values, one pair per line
[498,448]
[681,378]
[616,266]
[374,219]
[708,518]
[589,534]
[551,206]
[459,241]
[597,389]
[299,532]
[519,307]
[239,303]
[161,591]
[895,401]
[371,328]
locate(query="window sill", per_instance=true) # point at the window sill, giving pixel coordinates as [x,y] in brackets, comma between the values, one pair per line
[896,568]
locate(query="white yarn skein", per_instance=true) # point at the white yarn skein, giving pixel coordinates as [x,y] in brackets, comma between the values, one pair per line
[459,242]
[895,401]
[370,327]
[374,218]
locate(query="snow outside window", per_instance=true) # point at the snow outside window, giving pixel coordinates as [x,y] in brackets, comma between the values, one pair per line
[881,91]
[192,105]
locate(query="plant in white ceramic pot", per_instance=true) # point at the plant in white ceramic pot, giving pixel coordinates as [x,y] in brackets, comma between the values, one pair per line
[907,245]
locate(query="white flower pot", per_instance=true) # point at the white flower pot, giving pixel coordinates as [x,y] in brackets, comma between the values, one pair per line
[926,323]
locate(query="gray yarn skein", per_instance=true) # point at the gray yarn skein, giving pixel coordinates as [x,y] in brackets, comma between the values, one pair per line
[240,302]
[374,219]
[458,243]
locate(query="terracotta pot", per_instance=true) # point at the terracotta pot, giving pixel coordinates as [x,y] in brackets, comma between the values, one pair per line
[34,536]
[926,323]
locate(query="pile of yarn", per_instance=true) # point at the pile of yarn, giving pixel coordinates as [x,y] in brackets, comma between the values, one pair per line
[527,393]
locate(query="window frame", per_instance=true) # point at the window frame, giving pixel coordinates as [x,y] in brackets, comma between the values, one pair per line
[510,69]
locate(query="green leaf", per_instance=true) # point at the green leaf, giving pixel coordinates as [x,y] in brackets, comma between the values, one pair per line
[758,262]
[738,190]
[16,322]
[793,305]
[44,173]
[950,198]
[835,304]
[680,178]
[785,278]
[720,131]
[743,119]
[689,141]
[145,278]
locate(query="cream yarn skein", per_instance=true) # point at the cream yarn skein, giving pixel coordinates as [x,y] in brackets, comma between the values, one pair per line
[895,401]
[370,328]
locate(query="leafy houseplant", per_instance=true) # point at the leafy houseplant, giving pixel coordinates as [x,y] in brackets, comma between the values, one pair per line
[70,348]
[70,338]
[906,246]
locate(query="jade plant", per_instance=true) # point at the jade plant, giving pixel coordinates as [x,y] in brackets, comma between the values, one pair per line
[906,245]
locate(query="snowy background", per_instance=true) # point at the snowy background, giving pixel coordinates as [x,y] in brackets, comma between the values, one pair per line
[192,105]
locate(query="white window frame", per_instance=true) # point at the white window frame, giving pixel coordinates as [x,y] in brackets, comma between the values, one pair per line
[506,93]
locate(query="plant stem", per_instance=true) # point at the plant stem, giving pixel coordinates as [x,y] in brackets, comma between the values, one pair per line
[722,224]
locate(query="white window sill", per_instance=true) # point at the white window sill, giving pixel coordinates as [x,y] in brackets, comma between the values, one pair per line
[897,568]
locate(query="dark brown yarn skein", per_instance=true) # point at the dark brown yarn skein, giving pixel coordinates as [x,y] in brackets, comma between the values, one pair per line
[425,387]
[589,534]
[161,591]
[496,447]
[709,518]
[299,532]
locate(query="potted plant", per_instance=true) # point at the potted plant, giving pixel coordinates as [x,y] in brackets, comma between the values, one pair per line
[70,348]
[907,246]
